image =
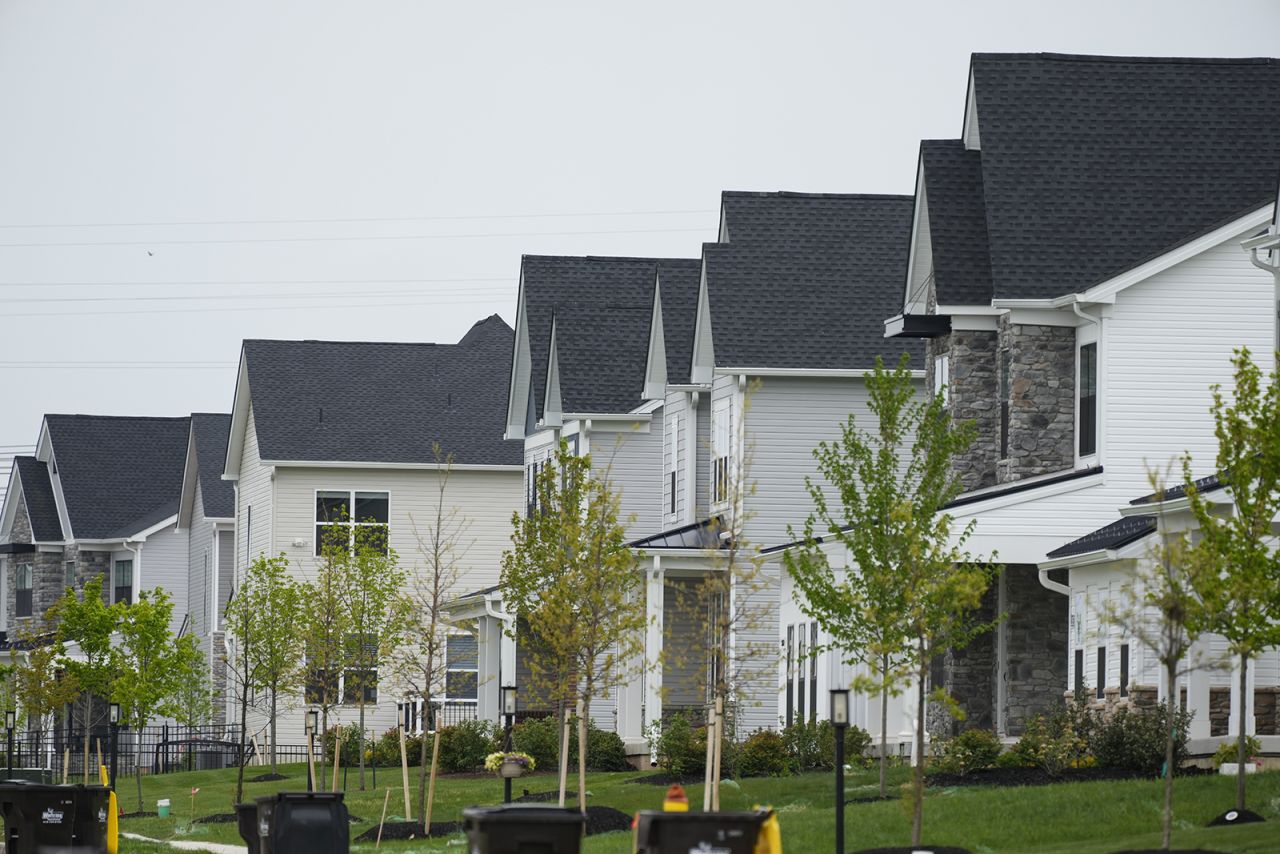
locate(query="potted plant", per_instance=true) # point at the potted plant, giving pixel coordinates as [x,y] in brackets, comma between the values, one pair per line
[509,764]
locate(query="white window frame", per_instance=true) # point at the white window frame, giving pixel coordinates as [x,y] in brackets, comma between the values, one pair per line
[115,579]
[672,476]
[352,524]
[721,451]
[445,697]
[69,580]
[19,571]
[941,373]
[1086,335]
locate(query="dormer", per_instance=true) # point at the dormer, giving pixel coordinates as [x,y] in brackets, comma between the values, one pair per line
[552,404]
[704,359]
[655,369]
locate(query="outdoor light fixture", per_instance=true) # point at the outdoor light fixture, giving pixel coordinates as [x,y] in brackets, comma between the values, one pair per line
[509,699]
[839,707]
[114,714]
[312,721]
[10,719]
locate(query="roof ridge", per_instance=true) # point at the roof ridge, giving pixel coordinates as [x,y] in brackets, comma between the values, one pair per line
[641,259]
[799,194]
[117,417]
[1152,60]
[346,343]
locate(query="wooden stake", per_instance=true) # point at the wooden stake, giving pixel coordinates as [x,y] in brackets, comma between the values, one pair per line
[711,759]
[311,762]
[66,765]
[564,757]
[715,781]
[431,786]
[100,762]
[337,758]
[383,820]
[404,774]
[257,751]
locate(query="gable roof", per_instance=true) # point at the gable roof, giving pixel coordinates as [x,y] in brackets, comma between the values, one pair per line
[820,306]
[956,209]
[1093,165]
[340,401]
[678,284]
[119,475]
[600,356]
[782,219]
[1118,534]
[566,287]
[209,432]
[37,494]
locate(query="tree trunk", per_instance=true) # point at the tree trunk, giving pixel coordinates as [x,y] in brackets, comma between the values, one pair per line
[137,771]
[324,730]
[582,752]
[274,698]
[1171,711]
[884,727]
[1244,707]
[917,783]
[244,724]
[360,738]
[422,773]
[564,749]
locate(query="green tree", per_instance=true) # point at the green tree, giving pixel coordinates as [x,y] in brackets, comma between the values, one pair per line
[911,591]
[571,578]
[86,622]
[193,702]
[1161,606]
[370,591]
[275,601]
[326,625]
[37,679]
[1240,582]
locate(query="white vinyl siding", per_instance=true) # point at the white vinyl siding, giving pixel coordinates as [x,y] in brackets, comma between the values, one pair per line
[755,651]
[673,473]
[200,566]
[163,565]
[253,533]
[629,458]
[722,449]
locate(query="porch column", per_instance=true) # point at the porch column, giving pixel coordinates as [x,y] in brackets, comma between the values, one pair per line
[488,642]
[1197,682]
[1241,705]
[630,698]
[653,589]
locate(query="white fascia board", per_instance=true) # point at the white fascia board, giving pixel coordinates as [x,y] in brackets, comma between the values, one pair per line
[650,406]
[1220,497]
[615,417]
[655,366]
[980,310]
[515,419]
[351,464]
[543,438]
[915,233]
[156,528]
[971,318]
[688,386]
[978,505]
[894,325]
[220,522]
[1080,560]
[241,403]
[835,373]
[1045,317]
[1262,241]
[187,495]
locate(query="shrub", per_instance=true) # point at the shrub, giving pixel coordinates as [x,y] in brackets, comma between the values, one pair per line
[540,738]
[605,751]
[763,754]
[464,746]
[857,741]
[971,750]
[812,746]
[1058,740]
[1134,740]
[1011,759]
[350,736]
[680,750]
[1226,751]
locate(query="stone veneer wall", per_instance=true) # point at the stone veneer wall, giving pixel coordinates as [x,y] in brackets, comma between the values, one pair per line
[1035,632]
[90,565]
[971,674]
[218,656]
[47,575]
[1042,385]
[972,394]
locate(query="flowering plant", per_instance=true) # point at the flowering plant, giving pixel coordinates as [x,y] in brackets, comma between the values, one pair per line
[494,761]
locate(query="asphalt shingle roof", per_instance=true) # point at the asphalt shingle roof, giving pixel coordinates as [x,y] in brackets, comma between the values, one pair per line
[817,306]
[1209,483]
[376,402]
[1120,533]
[1094,165]
[679,282]
[119,475]
[601,354]
[37,494]
[957,222]
[211,431]
[554,284]
[778,220]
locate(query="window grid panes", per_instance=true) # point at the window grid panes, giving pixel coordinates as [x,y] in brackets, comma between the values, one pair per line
[353,517]
[123,582]
[22,583]
[1088,399]
[462,668]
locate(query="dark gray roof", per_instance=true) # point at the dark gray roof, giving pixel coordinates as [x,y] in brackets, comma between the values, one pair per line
[37,494]
[679,283]
[697,535]
[778,220]
[814,307]
[561,283]
[957,222]
[1209,483]
[119,475]
[386,403]
[211,431]
[1094,165]
[601,354]
[1120,533]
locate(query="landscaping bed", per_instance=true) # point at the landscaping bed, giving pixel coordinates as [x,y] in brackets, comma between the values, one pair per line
[1039,777]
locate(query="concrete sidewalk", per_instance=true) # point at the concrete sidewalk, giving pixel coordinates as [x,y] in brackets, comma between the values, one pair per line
[210,847]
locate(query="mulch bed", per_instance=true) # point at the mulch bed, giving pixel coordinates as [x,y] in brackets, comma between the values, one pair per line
[139,814]
[916,849]
[1236,817]
[869,799]
[606,820]
[665,779]
[217,818]
[1171,851]
[543,797]
[271,778]
[1038,776]
[409,830]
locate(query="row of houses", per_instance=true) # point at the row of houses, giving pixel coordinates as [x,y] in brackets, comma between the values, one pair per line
[1072,273]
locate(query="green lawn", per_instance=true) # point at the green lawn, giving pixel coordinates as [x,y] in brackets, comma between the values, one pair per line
[1075,817]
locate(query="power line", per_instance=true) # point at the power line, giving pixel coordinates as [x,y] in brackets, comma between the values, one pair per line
[254,282]
[345,239]
[440,218]
[296,295]
[503,299]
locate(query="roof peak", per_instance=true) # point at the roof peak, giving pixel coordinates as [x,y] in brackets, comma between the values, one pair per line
[1150,60]
[118,417]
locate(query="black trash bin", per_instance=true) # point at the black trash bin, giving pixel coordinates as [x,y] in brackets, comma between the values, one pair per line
[40,817]
[93,805]
[722,832]
[247,820]
[523,829]
[306,822]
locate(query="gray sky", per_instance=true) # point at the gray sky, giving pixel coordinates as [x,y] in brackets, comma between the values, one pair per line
[164,133]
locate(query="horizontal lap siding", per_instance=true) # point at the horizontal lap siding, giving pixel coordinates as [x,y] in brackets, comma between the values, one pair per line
[253,492]
[164,565]
[674,458]
[633,462]
[226,572]
[702,459]
[756,653]
[200,549]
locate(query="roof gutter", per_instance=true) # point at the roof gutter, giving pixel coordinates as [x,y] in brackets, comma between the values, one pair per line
[1267,241]
[1049,584]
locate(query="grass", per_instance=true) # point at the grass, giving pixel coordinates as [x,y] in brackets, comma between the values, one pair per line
[1069,817]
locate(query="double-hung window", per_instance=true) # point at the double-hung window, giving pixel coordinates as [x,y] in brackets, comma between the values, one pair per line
[721,450]
[362,674]
[462,668]
[69,574]
[350,519]
[22,583]
[123,581]
[1088,438]
[531,489]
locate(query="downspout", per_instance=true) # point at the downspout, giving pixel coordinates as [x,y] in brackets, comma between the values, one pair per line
[692,450]
[1049,584]
[137,568]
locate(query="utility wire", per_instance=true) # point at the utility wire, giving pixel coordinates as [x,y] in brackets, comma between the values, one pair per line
[442,218]
[507,289]
[254,282]
[349,238]
[502,299]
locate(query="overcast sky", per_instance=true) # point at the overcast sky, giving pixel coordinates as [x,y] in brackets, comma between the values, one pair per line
[399,157]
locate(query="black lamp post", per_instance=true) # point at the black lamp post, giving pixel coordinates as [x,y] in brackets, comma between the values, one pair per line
[509,712]
[10,721]
[113,717]
[840,721]
[310,723]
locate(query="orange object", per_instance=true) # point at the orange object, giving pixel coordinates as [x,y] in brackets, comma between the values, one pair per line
[676,800]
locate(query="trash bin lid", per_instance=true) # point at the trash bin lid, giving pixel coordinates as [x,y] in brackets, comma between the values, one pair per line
[525,813]
[280,797]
